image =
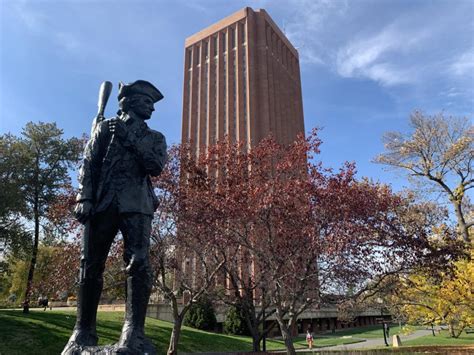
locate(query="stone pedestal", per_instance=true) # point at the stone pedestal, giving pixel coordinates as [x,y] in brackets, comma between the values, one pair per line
[148,349]
[396,342]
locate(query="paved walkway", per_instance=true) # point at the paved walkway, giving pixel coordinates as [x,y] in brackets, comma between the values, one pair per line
[371,342]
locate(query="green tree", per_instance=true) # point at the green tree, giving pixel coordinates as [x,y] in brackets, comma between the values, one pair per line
[37,164]
[13,234]
[440,150]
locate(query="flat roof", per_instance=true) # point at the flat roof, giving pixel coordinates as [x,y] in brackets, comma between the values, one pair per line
[231,19]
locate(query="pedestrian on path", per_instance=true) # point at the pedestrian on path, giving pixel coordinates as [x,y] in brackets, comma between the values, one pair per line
[309,338]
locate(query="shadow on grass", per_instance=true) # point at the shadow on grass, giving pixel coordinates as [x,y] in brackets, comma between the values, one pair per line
[34,333]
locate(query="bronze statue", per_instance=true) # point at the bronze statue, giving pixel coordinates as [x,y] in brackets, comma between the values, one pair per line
[115,194]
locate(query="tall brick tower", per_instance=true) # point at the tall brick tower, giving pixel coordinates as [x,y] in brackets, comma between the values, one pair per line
[241,79]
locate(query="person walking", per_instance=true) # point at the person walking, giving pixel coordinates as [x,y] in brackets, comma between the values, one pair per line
[309,339]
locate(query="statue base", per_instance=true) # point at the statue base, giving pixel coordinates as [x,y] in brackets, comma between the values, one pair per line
[148,349]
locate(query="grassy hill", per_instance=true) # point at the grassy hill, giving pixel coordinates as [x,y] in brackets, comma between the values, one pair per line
[46,332]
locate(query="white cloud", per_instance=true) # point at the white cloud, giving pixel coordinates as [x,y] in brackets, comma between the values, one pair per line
[464,64]
[391,44]
[34,21]
[379,57]
[69,42]
[306,24]
[39,23]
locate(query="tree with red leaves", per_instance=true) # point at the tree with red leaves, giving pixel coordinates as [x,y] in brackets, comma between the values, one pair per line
[294,232]
[183,234]
[64,234]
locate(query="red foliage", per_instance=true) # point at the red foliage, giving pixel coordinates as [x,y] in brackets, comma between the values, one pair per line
[289,230]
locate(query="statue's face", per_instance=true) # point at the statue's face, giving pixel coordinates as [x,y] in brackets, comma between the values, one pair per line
[143,107]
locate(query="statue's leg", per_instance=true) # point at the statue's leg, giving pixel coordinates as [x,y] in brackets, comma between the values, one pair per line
[103,229]
[136,229]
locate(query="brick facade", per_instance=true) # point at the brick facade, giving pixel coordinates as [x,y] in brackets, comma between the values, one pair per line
[241,80]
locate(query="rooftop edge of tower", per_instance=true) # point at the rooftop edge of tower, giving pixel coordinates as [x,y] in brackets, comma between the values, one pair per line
[233,18]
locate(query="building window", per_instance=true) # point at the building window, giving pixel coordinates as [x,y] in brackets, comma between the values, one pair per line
[244,89]
[224,84]
[197,115]
[198,55]
[189,57]
[206,108]
[205,45]
[215,124]
[234,118]
[243,33]
[190,106]
[232,37]
[224,42]
[268,37]
[214,44]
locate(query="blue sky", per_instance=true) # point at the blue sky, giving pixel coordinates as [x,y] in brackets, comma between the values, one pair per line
[365,65]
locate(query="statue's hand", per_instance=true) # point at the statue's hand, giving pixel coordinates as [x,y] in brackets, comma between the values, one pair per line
[83,210]
[117,127]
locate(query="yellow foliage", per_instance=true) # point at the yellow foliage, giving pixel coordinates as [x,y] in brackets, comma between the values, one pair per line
[449,300]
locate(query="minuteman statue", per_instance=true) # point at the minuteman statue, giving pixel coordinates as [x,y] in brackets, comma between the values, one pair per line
[115,194]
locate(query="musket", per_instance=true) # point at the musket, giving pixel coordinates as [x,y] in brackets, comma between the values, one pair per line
[104,94]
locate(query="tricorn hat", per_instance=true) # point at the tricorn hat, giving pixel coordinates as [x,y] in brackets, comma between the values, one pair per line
[139,87]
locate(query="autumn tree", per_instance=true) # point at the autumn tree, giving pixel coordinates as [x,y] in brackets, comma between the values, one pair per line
[183,237]
[63,234]
[293,231]
[440,150]
[41,162]
[443,298]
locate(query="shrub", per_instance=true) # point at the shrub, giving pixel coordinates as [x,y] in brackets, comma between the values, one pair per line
[235,322]
[201,315]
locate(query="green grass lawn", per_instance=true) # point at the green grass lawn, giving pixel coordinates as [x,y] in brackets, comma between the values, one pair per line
[442,339]
[47,332]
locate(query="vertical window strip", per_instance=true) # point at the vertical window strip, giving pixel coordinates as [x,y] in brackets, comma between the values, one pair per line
[243,32]
[224,84]
[199,103]
[232,37]
[206,106]
[216,116]
[244,81]
[234,68]
[190,106]
[198,55]
[224,42]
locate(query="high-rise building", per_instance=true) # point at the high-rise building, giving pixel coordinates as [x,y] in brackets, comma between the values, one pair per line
[241,80]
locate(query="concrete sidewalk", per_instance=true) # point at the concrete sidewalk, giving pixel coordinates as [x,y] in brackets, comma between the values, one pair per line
[369,343]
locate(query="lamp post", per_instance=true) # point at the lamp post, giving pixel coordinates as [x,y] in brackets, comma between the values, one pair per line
[383,328]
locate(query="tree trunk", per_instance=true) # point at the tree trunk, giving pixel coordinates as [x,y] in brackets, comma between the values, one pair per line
[462,226]
[29,282]
[252,325]
[175,333]
[286,333]
[451,330]
[256,342]
[177,323]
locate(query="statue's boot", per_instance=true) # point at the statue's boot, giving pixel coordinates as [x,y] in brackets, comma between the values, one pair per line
[84,333]
[132,339]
